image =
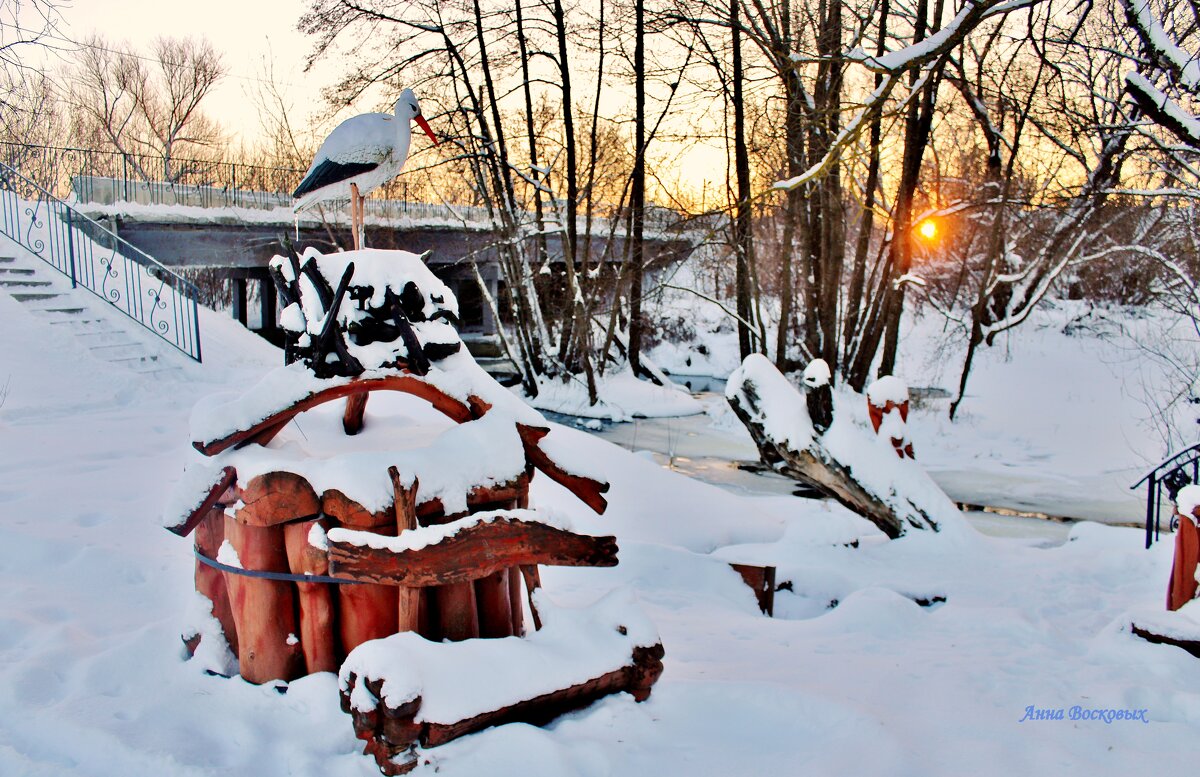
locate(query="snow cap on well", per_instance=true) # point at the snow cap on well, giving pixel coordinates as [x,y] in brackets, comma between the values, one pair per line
[816,374]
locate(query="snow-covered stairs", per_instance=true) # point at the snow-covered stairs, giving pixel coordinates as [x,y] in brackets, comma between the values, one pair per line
[107,334]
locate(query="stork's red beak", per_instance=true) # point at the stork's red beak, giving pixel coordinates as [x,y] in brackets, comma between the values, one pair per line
[425,126]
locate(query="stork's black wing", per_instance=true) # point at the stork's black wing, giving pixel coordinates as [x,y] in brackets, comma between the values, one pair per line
[328,172]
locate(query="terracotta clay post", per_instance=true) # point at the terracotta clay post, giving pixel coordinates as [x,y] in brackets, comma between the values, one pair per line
[264,610]
[316,599]
[210,533]
[405,505]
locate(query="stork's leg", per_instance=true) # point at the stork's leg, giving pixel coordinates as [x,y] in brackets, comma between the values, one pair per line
[355,216]
[363,221]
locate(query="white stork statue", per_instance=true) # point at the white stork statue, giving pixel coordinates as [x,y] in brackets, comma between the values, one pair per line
[360,155]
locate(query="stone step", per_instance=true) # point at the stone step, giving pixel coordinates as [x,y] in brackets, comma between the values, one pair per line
[95,335]
[7,259]
[64,311]
[21,283]
[121,352]
[71,318]
[10,271]
[142,357]
[35,296]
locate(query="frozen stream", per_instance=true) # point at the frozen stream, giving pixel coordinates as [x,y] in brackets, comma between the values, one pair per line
[716,449]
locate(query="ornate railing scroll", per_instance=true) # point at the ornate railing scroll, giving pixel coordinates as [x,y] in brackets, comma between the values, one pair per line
[94,257]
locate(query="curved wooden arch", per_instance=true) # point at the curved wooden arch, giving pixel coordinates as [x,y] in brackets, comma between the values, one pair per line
[588,490]
[266,429]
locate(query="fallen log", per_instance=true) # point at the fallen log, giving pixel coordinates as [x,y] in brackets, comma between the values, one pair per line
[842,463]
[406,691]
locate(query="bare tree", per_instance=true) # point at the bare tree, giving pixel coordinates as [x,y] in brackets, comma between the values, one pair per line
[147,106]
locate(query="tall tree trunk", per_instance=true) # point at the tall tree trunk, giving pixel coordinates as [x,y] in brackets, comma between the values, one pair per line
[743,228]
[918,124]
[866,223]
[637,195]
[570,235]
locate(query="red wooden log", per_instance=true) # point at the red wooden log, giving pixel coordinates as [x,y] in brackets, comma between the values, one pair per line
[516,606]
[762,582]
[264,610]
[588,490]
[1182,586]
[366,611]
[352,419]
[276,498]
[392,733]
[226,479]
[533,581]
[457,611]
[431,511]
[472,553]
[404,504]
[350,513]
[263,431]
[316,599]
[495,607]
[210,533]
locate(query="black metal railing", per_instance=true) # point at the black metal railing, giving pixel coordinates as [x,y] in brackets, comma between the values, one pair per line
[98,177]
[1178,470]
[98,260]
[55,169]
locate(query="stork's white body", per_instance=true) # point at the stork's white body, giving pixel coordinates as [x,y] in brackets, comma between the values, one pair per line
[360,155]
[380,140]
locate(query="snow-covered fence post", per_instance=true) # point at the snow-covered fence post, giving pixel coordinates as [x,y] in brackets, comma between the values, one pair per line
[841,460]
[887,406]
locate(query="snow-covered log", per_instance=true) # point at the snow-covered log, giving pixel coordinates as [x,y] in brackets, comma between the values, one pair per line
[464,551]
[845,461]
[406,691]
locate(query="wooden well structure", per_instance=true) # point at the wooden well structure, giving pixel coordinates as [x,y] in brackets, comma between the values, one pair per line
[301,570]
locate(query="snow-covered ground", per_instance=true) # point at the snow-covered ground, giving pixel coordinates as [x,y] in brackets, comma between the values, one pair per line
[852,677]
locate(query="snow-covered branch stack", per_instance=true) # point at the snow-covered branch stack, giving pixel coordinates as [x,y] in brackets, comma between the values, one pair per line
[844,460]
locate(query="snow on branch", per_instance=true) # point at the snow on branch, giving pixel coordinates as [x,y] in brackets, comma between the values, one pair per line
[1162,109]
[1164,52]
[941,41]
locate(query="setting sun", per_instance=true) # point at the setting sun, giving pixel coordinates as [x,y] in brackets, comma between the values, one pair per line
[928,229]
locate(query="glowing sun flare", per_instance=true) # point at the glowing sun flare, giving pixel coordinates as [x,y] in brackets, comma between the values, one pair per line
[928,229]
